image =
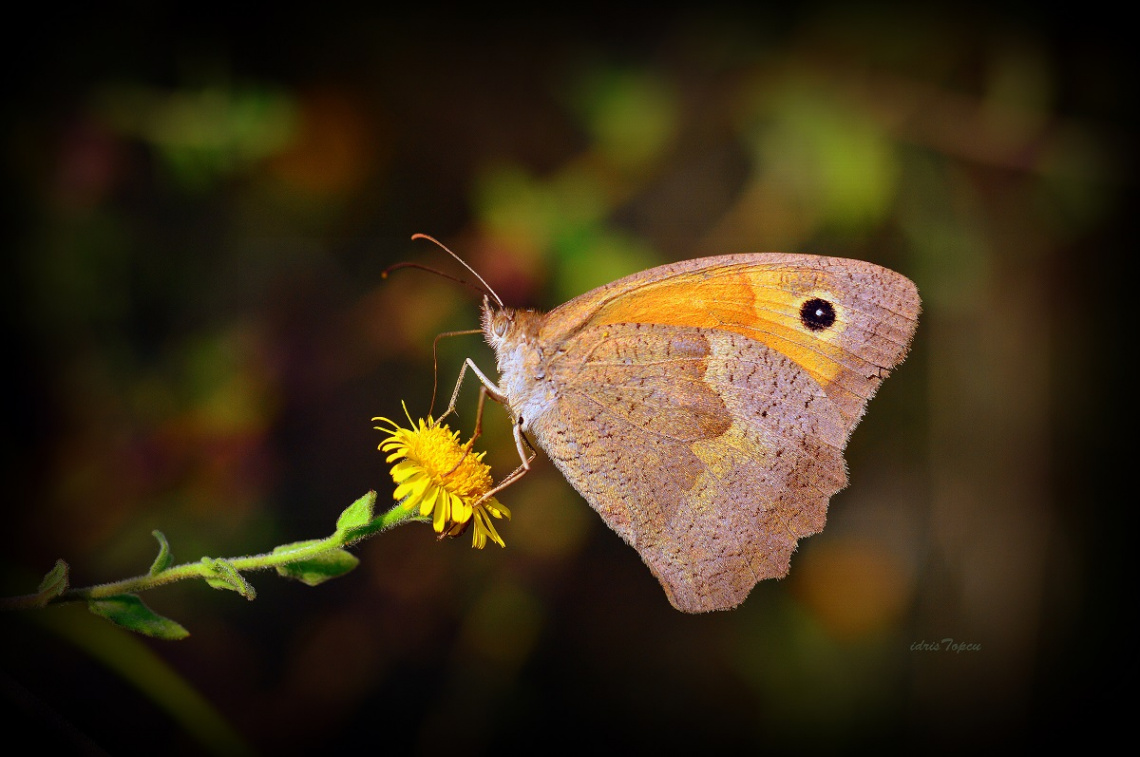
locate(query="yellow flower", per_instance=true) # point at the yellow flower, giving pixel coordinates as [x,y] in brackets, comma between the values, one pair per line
[443,478]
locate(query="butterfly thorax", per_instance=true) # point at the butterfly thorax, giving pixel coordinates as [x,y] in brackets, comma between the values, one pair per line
[513,334]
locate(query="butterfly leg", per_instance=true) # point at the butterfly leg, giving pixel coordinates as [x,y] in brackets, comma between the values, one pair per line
[520,437]
[518,472]
[489,387]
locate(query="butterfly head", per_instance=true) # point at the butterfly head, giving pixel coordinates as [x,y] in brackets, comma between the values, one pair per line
[514,336]
[508,330]
[497,322]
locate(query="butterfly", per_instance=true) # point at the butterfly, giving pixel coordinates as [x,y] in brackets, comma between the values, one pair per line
[702,407]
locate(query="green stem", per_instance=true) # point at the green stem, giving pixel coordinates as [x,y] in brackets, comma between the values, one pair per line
[205,569]
[201,569]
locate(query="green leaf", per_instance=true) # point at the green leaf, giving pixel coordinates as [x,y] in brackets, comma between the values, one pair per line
[165,557]
[54,583]
[316,570]
[359,513]
[356,533]
[223,575]
[129,612]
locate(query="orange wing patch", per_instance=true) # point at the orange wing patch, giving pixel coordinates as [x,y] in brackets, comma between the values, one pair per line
[754,301]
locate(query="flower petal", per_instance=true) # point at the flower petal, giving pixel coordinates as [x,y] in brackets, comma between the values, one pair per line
[413,489]
[484,529]
[428,501]
[442,513]
[460,510]
[404,470]
[496,508]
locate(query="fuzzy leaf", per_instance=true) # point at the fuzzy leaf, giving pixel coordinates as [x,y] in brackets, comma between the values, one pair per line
[165,556]
[54,583]
[359,513]
[316,570]
[223,575]
[128,611]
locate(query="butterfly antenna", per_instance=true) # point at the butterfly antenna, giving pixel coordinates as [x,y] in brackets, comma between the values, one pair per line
[407,264]
[462,262]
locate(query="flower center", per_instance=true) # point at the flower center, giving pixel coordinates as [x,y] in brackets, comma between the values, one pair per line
[451,465]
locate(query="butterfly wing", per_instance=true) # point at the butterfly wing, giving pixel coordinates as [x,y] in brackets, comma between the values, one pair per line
[702,408]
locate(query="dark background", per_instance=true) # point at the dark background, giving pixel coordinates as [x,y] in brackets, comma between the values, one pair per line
[199,206]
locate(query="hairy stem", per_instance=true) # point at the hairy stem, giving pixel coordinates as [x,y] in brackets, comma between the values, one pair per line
[206,567]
